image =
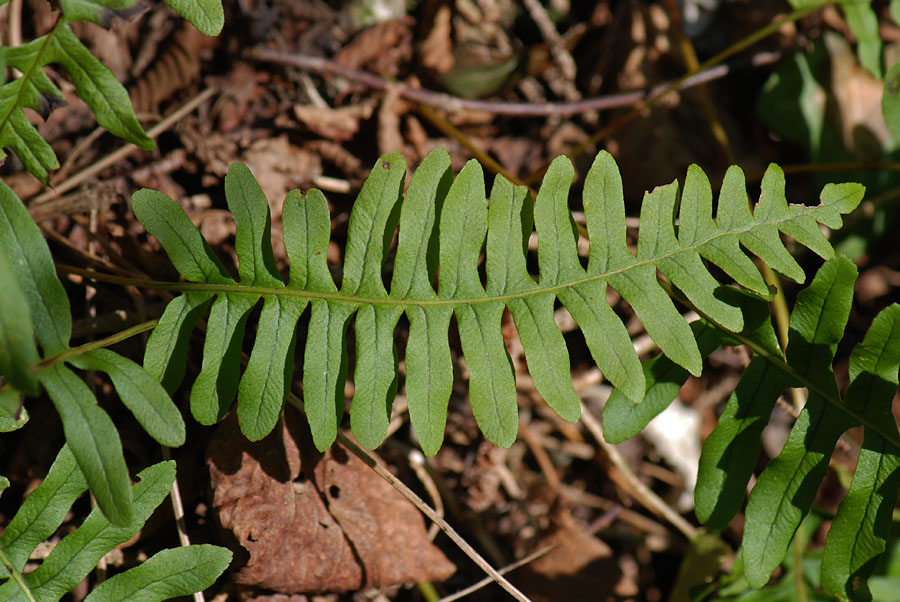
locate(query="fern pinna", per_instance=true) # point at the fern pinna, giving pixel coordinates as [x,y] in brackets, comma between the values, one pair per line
[168,574]
[784,492]
[467,223]
[93,81]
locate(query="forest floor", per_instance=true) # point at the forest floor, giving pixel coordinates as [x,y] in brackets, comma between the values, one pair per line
[309,95]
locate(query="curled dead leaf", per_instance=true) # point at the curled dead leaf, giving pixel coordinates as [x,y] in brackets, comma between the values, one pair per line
[339,124]
[313,522]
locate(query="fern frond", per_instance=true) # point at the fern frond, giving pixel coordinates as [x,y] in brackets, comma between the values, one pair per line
[863,520]
[42,307]
[76,555]
[94,83]
[785,490]
[444,225]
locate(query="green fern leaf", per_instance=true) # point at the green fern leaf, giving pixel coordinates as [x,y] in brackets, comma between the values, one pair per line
[167,574]
[729,453]
[140,393]
[208,16]
[604,332]
[32,267]
[429,369]
[94,83]
[18,354]
[78,553]
[44,510]
[92,436]
[863,521]
[89,431]
[786,488]
[444,226]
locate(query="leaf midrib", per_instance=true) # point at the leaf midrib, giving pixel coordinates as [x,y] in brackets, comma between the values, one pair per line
[26,76]
[445,301]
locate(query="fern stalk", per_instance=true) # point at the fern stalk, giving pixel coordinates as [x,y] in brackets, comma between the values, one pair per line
[16,576]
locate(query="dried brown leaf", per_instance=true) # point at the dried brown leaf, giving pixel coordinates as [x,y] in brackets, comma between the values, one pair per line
[385,44]
[339,124]
[436,50]
[314,522]
[280,166]
[578,563]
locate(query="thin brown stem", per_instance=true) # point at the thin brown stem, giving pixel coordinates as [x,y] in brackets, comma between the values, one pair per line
[453,104]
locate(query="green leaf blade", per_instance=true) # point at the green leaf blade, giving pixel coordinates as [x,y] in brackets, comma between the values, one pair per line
[546,353]
[266,380]
[863,521]
[253,221]
[79,552]
[492,386]
[165,356]
[462,234]
[167,574]
[429,374]
[216,385]
[208,16]
[417,240]
[44,510]
[98,87]
[325,369]
[785,490]
[92,437]
[186,247]
[18,353]
[31,263]
[557,251]
[862,525]
[140,393]
[818,321]
[371,227]
[604,212]
[545,349]
[730,453]
[375,373]
[307,228]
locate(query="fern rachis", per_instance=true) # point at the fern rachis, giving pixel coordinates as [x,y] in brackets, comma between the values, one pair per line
[444,225]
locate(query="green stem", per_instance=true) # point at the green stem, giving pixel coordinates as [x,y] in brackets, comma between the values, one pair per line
[892,437]
[16,576]
[428,591]
[799,546]
[345,297]
[100,343]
